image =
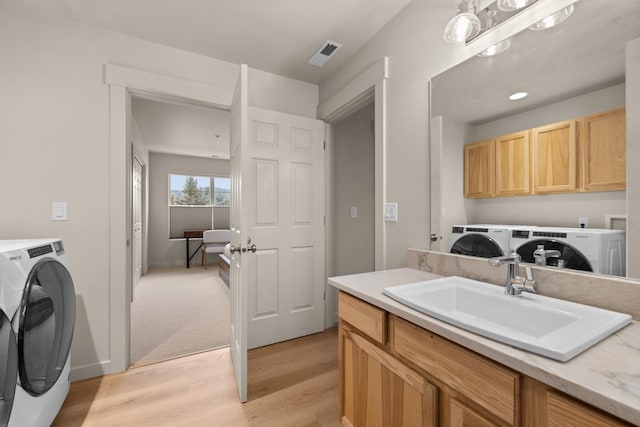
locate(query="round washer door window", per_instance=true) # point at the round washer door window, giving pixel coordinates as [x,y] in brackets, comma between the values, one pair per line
[47,319]
[476,245]
[8,368]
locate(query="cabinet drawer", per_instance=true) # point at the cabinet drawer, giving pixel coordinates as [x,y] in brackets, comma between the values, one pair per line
[491,386]
[363,316]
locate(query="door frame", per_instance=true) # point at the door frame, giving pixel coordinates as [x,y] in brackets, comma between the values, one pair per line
[370,85]
[122,82]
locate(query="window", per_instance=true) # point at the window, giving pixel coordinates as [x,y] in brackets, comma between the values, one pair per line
[198,203]
[221,192]
[187,190]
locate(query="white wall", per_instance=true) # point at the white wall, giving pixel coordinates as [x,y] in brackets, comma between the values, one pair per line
[633,157]
[353,157]
[165,252]
[55,146]
[413,42]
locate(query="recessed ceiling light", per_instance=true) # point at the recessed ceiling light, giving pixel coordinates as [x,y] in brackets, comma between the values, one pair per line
[517,95]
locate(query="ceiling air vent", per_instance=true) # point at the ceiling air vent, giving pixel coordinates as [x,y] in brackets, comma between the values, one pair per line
[326,51]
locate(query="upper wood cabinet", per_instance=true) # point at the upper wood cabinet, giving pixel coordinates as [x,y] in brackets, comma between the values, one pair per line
[554,157]
[512,164]
[479,169]
[583,154]
[604,151]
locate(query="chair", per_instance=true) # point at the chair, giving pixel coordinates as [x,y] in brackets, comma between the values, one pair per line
[213,242]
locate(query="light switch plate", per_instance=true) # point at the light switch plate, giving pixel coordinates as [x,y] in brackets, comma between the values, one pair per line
[354,212]
[391,212]
[59,211]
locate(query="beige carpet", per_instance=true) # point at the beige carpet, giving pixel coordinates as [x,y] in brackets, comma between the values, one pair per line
[178,311]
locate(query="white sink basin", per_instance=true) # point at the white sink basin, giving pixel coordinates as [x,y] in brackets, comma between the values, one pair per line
[546,326]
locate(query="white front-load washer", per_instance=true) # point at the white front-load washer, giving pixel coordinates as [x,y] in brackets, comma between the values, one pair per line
[38,296]
[8,367]
[480,240]
[588,249]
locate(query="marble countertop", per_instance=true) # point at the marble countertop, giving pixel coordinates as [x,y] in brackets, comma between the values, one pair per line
[606,375]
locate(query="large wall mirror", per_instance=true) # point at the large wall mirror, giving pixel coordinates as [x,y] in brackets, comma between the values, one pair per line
[572,70]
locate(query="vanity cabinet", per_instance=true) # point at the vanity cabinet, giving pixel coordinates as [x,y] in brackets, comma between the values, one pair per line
[604,151]
[479,169]
[405,375]
[512,164]
[376,389]
[554,158]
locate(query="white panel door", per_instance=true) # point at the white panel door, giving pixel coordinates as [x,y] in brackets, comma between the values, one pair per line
[283,199]
[238,271]
[137,223]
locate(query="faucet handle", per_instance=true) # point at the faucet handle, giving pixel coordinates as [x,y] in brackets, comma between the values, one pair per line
[529,282]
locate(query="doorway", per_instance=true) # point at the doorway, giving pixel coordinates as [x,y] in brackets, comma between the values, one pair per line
[177,140]
[353,192]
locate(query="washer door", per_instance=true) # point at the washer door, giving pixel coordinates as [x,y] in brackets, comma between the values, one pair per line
[8,368]
[476,245]
[47,319]
[571,256]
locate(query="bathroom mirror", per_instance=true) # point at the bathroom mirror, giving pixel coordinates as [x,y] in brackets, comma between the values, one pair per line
[569,71]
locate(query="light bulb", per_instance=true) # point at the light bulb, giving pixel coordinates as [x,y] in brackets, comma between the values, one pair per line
[462,27]
[553,19]
[510,5]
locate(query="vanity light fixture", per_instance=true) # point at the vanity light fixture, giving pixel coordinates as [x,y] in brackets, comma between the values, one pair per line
[517,95]
[465,25]
[553,19]
[511,5]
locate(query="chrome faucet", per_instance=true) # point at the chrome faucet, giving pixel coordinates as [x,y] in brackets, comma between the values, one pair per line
[515,284]
[540,255]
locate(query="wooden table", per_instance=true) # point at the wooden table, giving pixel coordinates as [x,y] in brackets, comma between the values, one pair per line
[192,234]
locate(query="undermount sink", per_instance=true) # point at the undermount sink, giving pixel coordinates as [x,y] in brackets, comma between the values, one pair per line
[546,326]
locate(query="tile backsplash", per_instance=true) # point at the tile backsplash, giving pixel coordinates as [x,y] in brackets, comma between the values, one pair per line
[609,292]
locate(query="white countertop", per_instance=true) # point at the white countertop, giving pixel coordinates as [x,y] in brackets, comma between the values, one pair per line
[606,376]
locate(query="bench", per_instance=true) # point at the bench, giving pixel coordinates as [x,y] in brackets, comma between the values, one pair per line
[223,268]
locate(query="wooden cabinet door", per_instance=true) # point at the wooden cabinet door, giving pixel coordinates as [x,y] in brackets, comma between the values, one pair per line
[479,169]
[378,390]
[554,157]
[512,164]
[459,415]
[604,151]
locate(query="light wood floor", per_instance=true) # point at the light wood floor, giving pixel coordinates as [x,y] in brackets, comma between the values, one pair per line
[294,383]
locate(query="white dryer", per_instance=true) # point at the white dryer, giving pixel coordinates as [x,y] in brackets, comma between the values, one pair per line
[587,249]
[481,240]
[37,295]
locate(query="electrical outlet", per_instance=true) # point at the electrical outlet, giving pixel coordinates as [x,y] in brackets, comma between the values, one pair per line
[583,222]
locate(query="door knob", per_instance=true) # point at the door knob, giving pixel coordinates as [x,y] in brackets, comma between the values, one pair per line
[434,237]
[252,248]
[233,249]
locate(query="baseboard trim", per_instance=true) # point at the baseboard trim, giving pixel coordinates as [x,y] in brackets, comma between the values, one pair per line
[89,371]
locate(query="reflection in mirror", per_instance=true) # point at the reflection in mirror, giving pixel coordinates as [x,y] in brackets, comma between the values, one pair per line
[573,70]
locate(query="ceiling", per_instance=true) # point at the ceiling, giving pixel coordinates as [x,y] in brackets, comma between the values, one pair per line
[581,55]
[275,36]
